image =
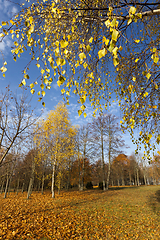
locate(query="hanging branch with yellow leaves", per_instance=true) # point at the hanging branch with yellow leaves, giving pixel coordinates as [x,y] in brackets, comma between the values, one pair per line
[75,43]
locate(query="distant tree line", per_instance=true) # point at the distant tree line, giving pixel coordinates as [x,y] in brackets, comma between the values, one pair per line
[62,156]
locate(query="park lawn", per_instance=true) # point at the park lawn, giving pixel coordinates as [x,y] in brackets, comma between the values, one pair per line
[120,213]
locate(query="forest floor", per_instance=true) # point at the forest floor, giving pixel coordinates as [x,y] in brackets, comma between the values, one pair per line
[120,213]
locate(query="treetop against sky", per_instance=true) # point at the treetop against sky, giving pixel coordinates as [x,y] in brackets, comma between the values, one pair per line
[91,49]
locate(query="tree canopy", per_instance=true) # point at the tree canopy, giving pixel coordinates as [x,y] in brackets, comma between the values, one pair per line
[76,42]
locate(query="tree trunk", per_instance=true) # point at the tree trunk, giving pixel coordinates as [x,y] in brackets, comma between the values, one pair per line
[9,186]
[42,184]
[39,185]
[103,163]
[137,177]
[79,166]
[118,183]
[109,171]
[69,177]
[144,176]
[123,183]
[59,186]
[31,178]
[130,179]
[154,181]
[6,188]
[83,171]
[17,186]
[2,187]
[52,187]
[109,159]
[23,187]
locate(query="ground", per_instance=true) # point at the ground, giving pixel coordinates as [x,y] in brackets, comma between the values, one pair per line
[120,213]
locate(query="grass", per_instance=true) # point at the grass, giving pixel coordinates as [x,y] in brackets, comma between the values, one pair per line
[124,213]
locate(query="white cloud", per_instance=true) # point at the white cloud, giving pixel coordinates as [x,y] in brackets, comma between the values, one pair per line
[114,108]
[8,42]
[14,10]
[5,44]
[75,118]
[54,99]
[2,46]
[6,4]
[8,9]
[44,112]
[55,86]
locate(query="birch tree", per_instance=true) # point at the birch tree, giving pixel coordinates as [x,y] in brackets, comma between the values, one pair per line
[56,139]
[85,149]
[107,137]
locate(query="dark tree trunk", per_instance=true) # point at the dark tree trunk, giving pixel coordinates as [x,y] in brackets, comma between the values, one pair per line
[42,184]
[31,178]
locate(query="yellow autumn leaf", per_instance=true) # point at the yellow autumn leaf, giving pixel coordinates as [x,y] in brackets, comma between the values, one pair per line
[63,43]
[132,10]
[107,23]
[114,51]
[88,48]
[24,82]
[42,71]
[4,23]
[115,34]
[150,136]
[65,51]
[50,59]
[115,61]
[85,65]
[102,53]
[31,29]
[45,81]
[130,87]
[43,93]
[137,40]
[91,40]
[42,86]
[58,61]
[105,40]
[83,107]
[85,115]
[3,69]
[63,91]
[148,75]
[155,107]
[82,56]
[79,112]
[32,91]
[31,85]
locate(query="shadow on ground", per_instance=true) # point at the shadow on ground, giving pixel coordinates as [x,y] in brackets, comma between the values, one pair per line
[121,188]
[154,202]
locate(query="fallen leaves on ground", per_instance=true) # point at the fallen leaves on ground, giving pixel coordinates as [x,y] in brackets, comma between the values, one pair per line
[115,214]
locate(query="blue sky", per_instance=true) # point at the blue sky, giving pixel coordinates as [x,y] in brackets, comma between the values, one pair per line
[53,96]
